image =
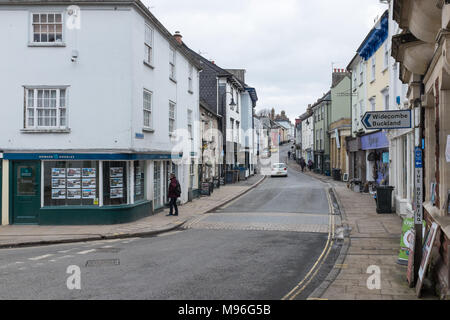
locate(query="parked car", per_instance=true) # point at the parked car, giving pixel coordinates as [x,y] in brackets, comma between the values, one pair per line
[279,169]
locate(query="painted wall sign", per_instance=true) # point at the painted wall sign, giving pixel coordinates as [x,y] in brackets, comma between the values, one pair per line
[398,119]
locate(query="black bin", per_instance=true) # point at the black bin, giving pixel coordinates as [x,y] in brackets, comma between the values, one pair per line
[336,174]
[384,199]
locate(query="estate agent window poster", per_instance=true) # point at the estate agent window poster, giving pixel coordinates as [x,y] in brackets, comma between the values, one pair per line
[73,172]
[116,193]
[58,193]
[89,183]
[73,183]
[116,172]
[58,172]
[58,183]
[116,182]
[89,172]
[73,193]
[88,193]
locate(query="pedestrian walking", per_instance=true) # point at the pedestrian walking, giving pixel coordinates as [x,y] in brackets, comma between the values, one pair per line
[289,154]
[310,164]
[302,164]
[174,194]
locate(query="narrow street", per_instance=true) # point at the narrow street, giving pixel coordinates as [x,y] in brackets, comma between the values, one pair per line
[260,246]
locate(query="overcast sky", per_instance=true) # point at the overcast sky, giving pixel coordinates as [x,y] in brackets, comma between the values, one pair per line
[286,46]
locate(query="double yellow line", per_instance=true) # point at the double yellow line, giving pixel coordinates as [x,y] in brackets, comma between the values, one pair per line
[323,256]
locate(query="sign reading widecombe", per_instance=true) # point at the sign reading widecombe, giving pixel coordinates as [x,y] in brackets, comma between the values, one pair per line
[398,119]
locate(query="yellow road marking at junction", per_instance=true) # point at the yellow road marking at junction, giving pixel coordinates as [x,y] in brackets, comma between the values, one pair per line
[316,267]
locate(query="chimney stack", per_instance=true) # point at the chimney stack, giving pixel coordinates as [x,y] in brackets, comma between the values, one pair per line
[178,37]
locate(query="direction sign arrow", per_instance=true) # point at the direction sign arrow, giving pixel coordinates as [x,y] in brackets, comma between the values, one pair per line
[397,119]
[366,122]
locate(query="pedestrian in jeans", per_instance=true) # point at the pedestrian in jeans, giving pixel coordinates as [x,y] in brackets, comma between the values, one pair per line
[174,194]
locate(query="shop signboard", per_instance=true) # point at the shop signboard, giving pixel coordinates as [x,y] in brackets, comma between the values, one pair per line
[377,140]
[205,189]
[407,240]
[426,254]
[398,119]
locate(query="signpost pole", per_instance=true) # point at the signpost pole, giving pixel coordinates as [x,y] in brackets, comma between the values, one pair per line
[418,187]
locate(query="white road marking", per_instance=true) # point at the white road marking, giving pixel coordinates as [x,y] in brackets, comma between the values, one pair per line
[86,251]
[40,257]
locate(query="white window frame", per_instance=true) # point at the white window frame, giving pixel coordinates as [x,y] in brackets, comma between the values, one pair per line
[36,108]
[373,68]
[361,73]
[148,44]
[174,118]
[385,93]
[190,123]
[172,64]
[372,104]
[32,42]
[147,110]
[386,55]
[191,79]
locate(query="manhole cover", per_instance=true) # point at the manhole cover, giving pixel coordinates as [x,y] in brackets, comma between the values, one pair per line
[102,262]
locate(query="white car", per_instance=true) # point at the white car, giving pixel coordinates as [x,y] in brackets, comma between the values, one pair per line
[279,169]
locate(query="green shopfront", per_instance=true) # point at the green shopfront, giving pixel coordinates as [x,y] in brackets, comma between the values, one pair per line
[82,188]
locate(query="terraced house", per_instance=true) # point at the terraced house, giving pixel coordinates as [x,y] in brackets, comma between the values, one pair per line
[99,97]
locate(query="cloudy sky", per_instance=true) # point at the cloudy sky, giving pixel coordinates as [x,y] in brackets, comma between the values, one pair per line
[287,46]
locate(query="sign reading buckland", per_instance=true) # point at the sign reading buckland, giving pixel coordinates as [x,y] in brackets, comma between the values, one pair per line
[399,119]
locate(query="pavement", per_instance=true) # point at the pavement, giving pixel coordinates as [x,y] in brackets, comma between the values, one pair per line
[31,235]
[369,239]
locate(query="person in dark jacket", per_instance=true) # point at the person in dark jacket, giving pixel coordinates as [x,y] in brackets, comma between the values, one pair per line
[174,194]
[302,164]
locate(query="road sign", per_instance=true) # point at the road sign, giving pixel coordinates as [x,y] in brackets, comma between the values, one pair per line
[418,183]
[398,119]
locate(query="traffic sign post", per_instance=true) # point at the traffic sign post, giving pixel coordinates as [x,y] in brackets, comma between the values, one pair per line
[396,119]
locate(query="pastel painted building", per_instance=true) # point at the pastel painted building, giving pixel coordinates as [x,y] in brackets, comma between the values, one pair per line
[93,123]
[340,120]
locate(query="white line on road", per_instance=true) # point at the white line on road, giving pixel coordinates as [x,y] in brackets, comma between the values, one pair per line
[86,251]
[41,257]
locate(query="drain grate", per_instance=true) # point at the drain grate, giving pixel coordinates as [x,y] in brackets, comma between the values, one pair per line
[102,262]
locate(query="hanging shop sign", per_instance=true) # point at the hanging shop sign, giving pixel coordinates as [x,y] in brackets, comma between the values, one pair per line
[398,119]
[377,140]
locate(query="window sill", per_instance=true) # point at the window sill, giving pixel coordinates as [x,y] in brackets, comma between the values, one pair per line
[45,130]
[147,129]
[46,44]
[173,80]
[148,65]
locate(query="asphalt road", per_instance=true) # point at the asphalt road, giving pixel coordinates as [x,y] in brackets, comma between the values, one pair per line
[257,247]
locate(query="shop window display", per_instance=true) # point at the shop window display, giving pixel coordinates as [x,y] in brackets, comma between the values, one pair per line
[139,180]
[70,183]
[115,184]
